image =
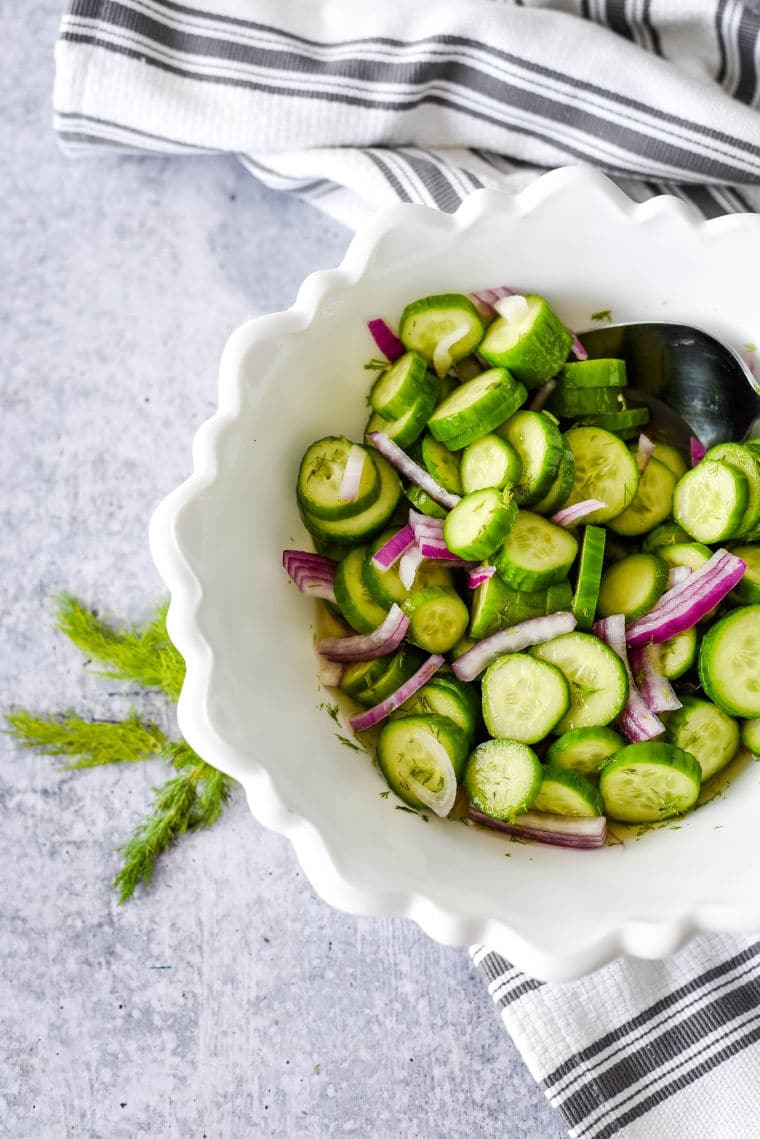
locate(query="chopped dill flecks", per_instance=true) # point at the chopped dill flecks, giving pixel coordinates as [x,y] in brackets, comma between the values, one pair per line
[376,365]
[384,794]
[87,743]
[411,811]
[333,711]
[603,314]
[347,743]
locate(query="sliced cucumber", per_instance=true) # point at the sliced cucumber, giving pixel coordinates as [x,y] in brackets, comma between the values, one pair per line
[559,597]
[437,618]
[424,503]
[589,576]
[604,469]
[705,731]
[710,501]
[747,461]
[443,329]
[649,782]
[441,463]
[320,477]
[489,462]
[358,677]
[356,603]
[449,698]
[502,778]
[729,662]
[623,423]
[534,345]
[476,408]
[476,527]
[672,457]
[572,402]
[523,698]
[559,491]
[386,586]
[596,675]
[535,552]
[405,429]
[747,591]
[633,586]
[750,735]
[369,682]
[652,504]
[421,758]
[666,534]
[594,374]
[495,606]
[396,389]
[690,554]
[539,444]
[679,654]
[565,792]
[584,749]
[358,529]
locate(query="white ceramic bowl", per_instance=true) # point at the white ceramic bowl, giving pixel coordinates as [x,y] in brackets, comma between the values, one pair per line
[251,704]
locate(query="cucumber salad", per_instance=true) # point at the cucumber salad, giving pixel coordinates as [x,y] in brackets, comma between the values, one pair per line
[542,615]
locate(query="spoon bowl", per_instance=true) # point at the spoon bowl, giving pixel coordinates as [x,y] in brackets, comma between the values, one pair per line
[692,383]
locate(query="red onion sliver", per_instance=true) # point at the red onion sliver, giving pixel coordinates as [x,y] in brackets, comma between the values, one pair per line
[411,470]
[579,351]
[697,450]
[369,646]
[681,607]
[542,394]
[425,524]
[531,632]
[637,721]
[390,552]
[436,549]
[644,453]
[677,574]
[479,576]
[512,308]
[654,686]
[352,474]
[574,832]
[386,340]
[410,562]
[380,711]
[569,515]
[312,573]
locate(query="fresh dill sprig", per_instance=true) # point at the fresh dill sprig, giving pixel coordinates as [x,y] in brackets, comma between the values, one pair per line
[89,743]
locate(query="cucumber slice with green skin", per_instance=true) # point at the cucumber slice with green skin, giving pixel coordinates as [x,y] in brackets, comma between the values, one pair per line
[584,750]
[462,647]
[489,462]
[710,501]
[495,606]
[441,699]
[523,698]
[750,735]
[589,576]
[538,442]
[476,408]
[466,369]
[604,469]
[441,463]
[535,553]
[621,421]
[320,476]
[356,603]
[534,346]
[745,460]
[596,675]
[387,587]
[565,792]
[679,654]
[649,782]
[706,732]
[690,554]
[421,758]
[369,686]
[747,591]
[502,778]
[572,402]
[729,662]
[559,597]
[443,328]
[476,527]
[559,492]
[652,504]
[437,618]
[594,374]
[672,457]
[409,426]
[666,534]
[424,503]
[633,586]
[396,389]
[360,527]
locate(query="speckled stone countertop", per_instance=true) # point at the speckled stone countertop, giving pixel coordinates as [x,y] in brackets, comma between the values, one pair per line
[227,1001]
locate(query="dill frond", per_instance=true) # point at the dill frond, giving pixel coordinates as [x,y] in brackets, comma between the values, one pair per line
[87,743]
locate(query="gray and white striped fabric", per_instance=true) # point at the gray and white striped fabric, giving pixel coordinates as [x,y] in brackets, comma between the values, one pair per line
[354,105]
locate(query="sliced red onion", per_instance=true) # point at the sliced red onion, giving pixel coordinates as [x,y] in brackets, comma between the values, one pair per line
[411,470]
[390,552]
[380,711]
[637,721]
[436,549]
[484,300]
[654,686]
[555,830]
[479,575]
[569,515]
[531,632]
[312,573]
[542,394]
[423,524]
[410,562]
[697,450]
[513,307]
[681,607]
[442,359]
[352,474]
[329,672]
[369,646]
[644,452]
[677,574]
[579,351]
[386,340]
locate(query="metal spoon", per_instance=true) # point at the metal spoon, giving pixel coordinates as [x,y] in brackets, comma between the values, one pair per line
[692,383]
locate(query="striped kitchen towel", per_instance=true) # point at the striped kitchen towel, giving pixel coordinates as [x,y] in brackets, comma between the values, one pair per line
[355,105]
